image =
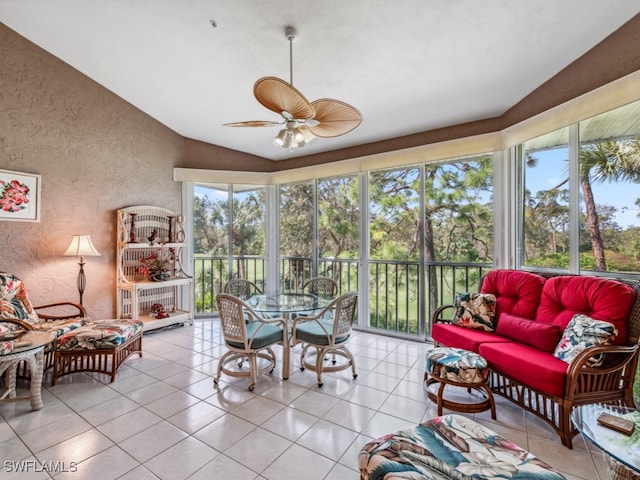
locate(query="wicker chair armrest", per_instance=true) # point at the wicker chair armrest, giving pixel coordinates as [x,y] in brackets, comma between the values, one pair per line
[625,355]
[314,318]
[321,314]
[281,322]
[274,320]
[437,315]
[17,321]
[43,315]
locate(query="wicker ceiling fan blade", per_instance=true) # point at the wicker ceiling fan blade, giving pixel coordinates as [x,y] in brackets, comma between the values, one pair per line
[334,118]
[279,96]
[253,123]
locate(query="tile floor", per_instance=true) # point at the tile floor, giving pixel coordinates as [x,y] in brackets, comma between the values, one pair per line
[163,418]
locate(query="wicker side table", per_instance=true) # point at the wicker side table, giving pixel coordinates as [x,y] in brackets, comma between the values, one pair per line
[33,355]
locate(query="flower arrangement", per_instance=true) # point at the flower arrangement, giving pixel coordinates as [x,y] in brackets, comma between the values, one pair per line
[13,196]
[157,265]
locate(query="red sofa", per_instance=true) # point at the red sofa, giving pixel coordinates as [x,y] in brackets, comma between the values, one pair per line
[531,314]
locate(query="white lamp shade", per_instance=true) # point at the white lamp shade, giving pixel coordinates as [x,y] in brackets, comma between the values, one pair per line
[81,246]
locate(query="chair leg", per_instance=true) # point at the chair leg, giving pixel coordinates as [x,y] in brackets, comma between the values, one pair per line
[352,361]
[285,361]
[302,355]
[564,423]
[223,358]
[319,365]
[253,365]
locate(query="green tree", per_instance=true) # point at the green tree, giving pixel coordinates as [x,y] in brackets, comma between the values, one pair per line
[458,224]
[609,161]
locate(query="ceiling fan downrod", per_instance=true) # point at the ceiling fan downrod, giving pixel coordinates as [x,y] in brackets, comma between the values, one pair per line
[290,33]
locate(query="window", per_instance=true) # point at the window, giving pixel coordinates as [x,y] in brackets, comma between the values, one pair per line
[609,182]
[338,219]
[296,234]
[546,201]
[584,218]
[394,249]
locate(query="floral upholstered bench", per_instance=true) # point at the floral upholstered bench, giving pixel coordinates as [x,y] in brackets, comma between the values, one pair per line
[450,447]
[100,346]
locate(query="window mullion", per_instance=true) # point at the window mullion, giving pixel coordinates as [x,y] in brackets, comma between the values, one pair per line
[574,199]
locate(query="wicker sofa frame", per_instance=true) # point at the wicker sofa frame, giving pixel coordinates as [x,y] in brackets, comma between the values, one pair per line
[611,383]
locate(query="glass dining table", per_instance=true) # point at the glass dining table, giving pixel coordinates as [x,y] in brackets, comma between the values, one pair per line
[286,304]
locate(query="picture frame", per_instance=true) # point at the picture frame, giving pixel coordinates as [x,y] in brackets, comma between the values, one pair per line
[20,196]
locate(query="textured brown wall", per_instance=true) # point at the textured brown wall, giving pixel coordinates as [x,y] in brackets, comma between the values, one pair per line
[96,153]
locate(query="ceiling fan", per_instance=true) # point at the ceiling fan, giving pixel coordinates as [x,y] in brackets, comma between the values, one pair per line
[303,120]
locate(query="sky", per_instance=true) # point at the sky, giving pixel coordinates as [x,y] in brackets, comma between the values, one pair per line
[550,171]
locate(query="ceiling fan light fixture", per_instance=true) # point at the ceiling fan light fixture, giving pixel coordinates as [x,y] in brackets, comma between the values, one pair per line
[280,138]
[292,138]
[298,135]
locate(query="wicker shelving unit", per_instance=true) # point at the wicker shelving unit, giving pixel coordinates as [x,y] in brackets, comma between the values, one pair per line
[144,231]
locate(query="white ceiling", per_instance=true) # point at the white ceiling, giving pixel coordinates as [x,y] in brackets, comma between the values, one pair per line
[407,65]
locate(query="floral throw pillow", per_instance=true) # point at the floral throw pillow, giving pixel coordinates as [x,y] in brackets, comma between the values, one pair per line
[583,332]
[475,310]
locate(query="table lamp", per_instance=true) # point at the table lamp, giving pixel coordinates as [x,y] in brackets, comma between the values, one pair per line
[81,246]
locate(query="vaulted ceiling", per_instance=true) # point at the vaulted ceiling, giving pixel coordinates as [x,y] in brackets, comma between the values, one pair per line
[409,66]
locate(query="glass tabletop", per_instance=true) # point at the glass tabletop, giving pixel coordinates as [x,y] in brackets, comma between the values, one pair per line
[286,302]
[625,449]
[29,341]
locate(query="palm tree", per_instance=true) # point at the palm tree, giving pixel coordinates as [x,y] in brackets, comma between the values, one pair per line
[608,161]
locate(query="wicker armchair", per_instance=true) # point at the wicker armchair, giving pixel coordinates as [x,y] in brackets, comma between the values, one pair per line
[247,335]
[327,337]
[15,304]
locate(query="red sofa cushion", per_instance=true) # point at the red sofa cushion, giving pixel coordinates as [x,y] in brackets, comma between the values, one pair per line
[461,337]
[528,365]
[543,336]
[517,292]
[599,298]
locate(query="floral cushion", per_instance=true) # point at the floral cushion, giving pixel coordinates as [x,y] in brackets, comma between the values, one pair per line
[475,310]
[60,327]
[14,301]
[583,332]
[449,447]
[456,365]
[99,334]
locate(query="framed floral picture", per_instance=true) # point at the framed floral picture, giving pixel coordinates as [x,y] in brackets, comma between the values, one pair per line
[20,196]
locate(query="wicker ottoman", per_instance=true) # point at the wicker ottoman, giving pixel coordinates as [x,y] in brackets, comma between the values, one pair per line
[449,447]
[99,346]
[461,368]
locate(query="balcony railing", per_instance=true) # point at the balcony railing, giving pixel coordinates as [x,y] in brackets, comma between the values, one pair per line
[395,290]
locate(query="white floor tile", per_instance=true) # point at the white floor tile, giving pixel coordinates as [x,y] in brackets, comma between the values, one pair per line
[163,417]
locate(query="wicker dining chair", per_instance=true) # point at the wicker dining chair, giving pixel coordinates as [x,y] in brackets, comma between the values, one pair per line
[327,337]
[323,287]
[241,288]
[249,340]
